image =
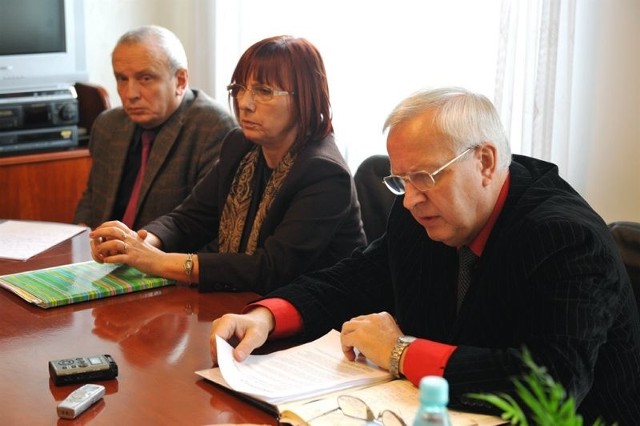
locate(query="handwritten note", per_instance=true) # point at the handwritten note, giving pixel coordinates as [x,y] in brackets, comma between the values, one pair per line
[21,240]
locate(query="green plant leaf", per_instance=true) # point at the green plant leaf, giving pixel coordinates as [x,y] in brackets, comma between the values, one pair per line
[511,411]
[546,401]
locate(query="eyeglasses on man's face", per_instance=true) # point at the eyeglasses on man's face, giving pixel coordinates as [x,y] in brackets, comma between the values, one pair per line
[422,180]
[260,93]
[352,406]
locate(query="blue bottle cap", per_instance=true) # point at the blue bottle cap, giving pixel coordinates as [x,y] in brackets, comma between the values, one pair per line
[434,390]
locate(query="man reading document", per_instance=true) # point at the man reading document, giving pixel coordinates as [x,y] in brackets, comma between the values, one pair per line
[485,253]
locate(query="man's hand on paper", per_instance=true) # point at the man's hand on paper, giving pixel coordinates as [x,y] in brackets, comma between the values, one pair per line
[374,336]
[251,329]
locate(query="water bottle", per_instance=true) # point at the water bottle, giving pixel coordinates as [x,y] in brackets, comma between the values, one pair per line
[434,397]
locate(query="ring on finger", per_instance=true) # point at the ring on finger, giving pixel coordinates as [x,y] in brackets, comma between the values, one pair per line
[126,247]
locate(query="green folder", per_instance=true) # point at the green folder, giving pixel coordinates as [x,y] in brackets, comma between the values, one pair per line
[78,282]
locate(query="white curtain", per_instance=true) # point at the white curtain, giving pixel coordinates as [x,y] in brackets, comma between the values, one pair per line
[201,45]
[534,76]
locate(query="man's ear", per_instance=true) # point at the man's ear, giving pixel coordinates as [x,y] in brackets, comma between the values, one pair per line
[489,160]
[182,81]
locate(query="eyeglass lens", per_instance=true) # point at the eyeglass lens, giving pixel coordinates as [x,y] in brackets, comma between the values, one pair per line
[395,184]
[262,93]
[422,180]
[355,407]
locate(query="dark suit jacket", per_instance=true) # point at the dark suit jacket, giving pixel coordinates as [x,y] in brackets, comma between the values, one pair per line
[313,222]
[184,150]
[550,278]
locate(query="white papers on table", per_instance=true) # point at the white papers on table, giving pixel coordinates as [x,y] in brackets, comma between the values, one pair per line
[21,240]
[301,385]
[300,372]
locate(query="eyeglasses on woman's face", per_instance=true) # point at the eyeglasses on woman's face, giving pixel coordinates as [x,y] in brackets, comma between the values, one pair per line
[352,406]
[259,93]
[421,180]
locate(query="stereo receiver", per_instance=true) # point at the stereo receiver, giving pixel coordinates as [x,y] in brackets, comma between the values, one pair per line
[38,109]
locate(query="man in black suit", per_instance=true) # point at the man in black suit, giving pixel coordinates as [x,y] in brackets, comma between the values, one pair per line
[547,275]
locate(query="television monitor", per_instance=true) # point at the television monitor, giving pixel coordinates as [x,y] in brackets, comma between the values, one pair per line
[41,44]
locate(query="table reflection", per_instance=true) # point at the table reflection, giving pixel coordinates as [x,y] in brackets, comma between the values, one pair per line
[159,338]
[157,330]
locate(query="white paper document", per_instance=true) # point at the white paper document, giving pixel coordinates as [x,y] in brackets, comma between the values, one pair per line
[300,372]
[21,240]
[302,384]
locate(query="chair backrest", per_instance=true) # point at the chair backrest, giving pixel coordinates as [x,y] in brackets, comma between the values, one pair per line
[627,237]
[92,100]
[375,199]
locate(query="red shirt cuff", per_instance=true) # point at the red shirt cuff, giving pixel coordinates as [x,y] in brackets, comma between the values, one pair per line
[287,318]
[425,358]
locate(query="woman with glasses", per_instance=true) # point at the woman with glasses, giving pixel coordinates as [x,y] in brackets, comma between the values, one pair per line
[281,200]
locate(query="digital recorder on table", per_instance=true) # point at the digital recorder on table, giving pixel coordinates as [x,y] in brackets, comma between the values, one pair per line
[83,369]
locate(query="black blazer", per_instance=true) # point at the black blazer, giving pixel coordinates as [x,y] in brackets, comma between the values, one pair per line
[550,278]
[313,222]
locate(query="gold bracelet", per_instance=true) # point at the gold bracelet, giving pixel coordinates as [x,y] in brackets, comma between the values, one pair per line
[188,267]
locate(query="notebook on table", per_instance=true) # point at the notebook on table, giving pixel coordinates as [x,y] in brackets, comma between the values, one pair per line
[78,282]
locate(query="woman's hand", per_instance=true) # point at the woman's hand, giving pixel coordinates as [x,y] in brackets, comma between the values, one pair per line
[114,242]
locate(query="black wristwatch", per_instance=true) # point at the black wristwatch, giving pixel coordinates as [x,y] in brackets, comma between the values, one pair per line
[394,363]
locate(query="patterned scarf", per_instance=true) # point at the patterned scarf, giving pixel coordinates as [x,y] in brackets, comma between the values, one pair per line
[236,207]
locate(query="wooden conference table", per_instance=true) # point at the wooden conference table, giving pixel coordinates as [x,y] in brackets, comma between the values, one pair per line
[159,338]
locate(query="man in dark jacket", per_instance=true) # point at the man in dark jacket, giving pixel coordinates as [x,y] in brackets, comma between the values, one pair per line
[150,67]
[546,275]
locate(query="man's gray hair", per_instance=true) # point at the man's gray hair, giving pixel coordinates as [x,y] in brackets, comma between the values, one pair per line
[167,41]
[466,118]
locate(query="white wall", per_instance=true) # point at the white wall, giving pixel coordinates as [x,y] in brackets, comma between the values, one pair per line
[605,128]
[107,20]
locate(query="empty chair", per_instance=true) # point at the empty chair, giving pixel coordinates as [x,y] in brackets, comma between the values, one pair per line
[374,197]
[627,237]
[92,100]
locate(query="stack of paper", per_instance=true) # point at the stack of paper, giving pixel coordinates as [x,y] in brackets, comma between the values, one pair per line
[300,385]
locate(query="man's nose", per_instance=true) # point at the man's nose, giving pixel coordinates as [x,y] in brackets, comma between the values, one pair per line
[132,89]
[412,196]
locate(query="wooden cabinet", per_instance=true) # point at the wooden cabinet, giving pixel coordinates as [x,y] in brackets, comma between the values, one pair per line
[43,186]
[47,186]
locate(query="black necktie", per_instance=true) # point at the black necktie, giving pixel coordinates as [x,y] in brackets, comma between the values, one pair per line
[466,261]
